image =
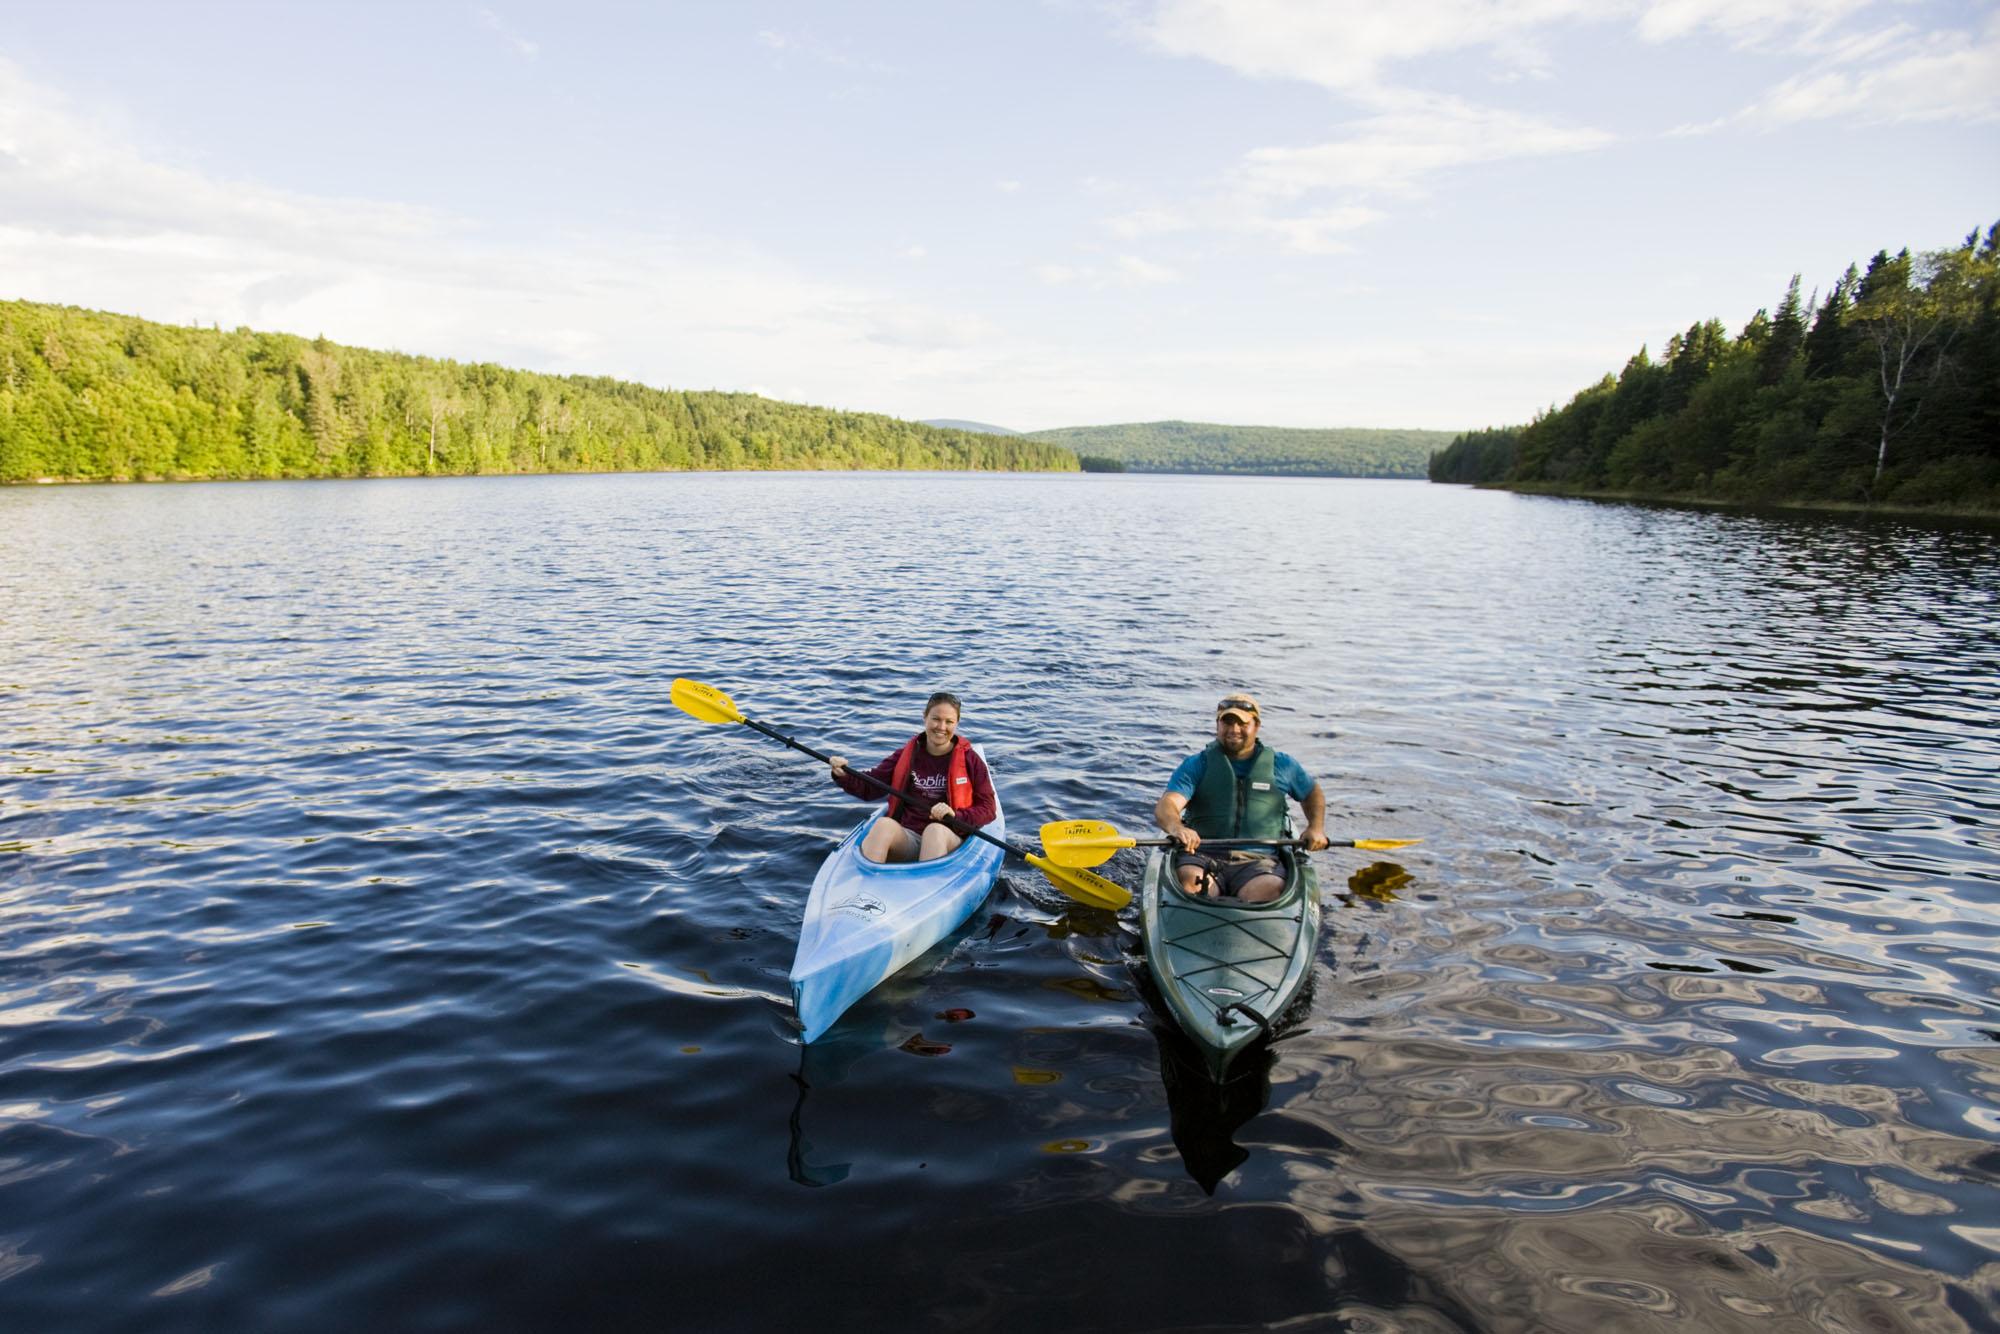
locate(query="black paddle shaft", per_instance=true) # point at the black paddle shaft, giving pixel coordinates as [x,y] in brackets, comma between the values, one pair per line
[1229,843]
[956,825]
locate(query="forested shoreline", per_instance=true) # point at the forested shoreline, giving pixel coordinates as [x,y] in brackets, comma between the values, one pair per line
[1205,447]
[1885,390]
[91,396]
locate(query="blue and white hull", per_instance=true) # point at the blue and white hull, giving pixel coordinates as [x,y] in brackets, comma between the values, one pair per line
[864,920]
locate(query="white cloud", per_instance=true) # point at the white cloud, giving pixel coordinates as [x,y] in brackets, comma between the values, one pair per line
[1395,151]
[1884,77]
[893,324]
[527,49]
[813,48]
[91,222]
[1319,233]
[1150,222]
[1346,45]
[1007,187]
[1248,209]
[1137,272]
[1122,271]
[1897,77]
[1747,23]
[1312,198]
[1351,46]
[1695,129]
[58,169]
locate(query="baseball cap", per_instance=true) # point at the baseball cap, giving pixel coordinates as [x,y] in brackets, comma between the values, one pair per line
[1242,704]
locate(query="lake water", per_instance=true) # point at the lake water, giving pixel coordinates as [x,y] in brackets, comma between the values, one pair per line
[380,947]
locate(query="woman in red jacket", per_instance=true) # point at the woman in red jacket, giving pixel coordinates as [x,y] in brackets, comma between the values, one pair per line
[942,767]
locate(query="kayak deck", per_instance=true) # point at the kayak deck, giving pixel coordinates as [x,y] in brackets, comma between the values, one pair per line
[865,920]
[1227,969]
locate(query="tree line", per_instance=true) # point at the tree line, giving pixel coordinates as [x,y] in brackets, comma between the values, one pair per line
[1885,390]
[86,395]
[1201,447]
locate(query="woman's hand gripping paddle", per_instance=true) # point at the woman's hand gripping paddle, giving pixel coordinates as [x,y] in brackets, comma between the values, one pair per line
[710,705]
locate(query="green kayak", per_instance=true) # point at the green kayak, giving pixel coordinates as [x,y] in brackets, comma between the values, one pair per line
[1228,970]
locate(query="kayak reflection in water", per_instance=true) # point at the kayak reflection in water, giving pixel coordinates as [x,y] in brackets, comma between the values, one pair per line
[937,764]
[1236,789]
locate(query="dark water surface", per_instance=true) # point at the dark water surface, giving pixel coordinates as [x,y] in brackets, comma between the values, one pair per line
[379,946]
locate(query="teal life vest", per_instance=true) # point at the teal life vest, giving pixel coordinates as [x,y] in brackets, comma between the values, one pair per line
[1224,806]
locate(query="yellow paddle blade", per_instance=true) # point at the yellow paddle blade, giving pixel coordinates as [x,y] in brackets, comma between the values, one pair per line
[1082,842]
[704,702]
[1382,844]
[1086,887]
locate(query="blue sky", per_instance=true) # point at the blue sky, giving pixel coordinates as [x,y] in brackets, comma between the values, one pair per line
[1279,212]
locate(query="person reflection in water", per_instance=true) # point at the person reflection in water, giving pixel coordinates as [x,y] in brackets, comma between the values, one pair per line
[937,764]
[1236,789]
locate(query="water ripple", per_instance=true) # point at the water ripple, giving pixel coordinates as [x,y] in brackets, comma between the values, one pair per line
[378,943]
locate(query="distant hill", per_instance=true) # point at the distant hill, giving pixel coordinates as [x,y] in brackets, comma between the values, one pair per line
[954,424]
[1270,450]
[90,396]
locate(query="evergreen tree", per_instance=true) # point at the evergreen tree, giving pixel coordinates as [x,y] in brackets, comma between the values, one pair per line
[1787,338]
[1828,342]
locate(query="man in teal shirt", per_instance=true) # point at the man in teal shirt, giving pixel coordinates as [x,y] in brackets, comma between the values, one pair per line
[1236,788]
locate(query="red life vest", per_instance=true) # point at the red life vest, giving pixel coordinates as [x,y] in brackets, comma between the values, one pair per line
[957,783]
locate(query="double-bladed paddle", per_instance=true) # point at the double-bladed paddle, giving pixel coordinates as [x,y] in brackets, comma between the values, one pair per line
[1075,843]
[710,705]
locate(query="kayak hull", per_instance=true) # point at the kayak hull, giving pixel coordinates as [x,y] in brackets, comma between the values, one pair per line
[1221,966]
[865,920]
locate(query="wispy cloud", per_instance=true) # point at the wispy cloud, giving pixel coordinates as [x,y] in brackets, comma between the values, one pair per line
[1898,76]
[1143,272]
[1253,211]
[1887,76]
[1154,221]
[494,23]
[1355,46]
[1397,150]
[1321,233]
[1748,24]
[1349,45]
[1312,198]
[1118,271]
[809,47]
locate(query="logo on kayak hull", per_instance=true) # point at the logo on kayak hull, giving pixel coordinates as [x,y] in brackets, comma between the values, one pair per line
[1225,991]
[867,905]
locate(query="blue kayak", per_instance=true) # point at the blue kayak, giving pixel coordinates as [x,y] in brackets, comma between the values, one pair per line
[864,920]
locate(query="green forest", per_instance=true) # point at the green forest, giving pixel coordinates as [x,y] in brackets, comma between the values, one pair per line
[1885,390]
[1201,447]
[88,396]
